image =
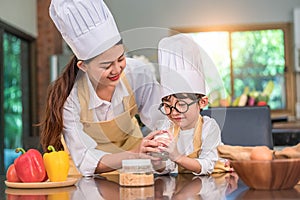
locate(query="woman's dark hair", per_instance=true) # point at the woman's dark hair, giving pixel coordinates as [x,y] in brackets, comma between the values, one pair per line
[58,92]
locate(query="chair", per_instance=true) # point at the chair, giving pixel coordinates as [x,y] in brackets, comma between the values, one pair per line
[243,126]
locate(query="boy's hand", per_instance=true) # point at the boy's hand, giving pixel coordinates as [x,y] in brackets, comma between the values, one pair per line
[170,146]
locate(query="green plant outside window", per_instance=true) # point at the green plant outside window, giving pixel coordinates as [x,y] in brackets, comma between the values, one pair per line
[12,97]
[246,61]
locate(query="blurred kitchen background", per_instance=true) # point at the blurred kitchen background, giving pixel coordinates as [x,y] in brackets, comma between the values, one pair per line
[255,45]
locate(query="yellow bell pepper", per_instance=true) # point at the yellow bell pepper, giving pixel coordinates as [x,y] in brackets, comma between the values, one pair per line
[56,164]
[59,195]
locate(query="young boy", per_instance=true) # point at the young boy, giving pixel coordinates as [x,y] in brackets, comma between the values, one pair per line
[192,148]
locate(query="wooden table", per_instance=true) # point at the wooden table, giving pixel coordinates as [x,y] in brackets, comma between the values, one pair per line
[225,186]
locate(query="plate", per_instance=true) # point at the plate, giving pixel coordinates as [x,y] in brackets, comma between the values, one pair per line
[47,184]
[39,191]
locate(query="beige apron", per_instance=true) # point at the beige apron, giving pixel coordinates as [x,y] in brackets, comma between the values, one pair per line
[117,135]
[197,143]
[120,134]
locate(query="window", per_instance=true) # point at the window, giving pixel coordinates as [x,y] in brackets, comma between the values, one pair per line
[250,59]
[15,97]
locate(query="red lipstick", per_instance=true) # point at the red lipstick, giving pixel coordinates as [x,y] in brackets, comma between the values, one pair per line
[114,78]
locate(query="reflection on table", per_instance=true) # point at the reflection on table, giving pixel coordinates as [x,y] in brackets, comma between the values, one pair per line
[182,186]
[40,194]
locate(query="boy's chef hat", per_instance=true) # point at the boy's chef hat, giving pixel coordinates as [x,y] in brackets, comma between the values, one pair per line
[87,26]
[181,64]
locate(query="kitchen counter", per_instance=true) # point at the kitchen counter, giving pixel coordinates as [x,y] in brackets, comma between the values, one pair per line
[286,133]
[183,186]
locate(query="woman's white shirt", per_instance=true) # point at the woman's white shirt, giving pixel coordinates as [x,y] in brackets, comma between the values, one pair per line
[147,95]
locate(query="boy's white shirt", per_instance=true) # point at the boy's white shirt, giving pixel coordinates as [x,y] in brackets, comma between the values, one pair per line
[211,138]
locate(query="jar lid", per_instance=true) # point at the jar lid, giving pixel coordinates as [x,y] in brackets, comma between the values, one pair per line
[136,162]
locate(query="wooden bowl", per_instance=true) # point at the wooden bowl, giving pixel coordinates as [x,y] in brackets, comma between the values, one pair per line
[268,175]
[270,194]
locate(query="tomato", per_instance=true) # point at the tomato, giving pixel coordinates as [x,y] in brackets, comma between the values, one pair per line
[262,103]
[11,174]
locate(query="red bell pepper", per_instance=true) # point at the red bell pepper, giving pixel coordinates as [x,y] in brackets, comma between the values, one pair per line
[30,166]
[25,197]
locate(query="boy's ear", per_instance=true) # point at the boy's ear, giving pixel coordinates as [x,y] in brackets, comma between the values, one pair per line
[81,65]
[203,102]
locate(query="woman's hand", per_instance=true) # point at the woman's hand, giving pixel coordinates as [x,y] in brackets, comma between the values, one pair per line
[149,145]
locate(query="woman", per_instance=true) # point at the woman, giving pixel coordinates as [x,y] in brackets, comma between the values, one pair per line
[94,101]
[193,145]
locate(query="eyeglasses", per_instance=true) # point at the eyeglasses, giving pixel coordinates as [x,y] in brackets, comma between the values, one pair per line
[180,106]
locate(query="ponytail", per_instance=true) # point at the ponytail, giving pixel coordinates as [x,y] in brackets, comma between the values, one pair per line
[57,94]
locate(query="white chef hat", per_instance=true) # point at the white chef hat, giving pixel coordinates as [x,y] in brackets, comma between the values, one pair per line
[181,65]
[87,26]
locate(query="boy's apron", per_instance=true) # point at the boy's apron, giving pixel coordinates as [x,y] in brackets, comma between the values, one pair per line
[197,143]
[119,134]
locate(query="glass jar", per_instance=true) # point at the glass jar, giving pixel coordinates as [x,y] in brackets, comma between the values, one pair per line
[136,172]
